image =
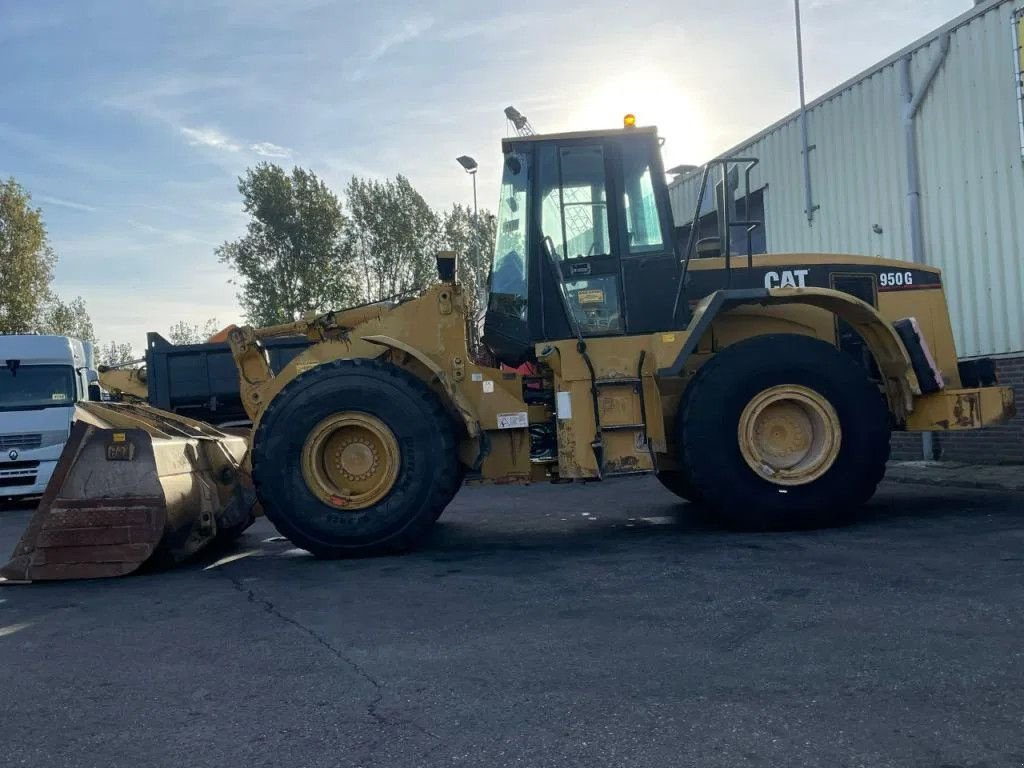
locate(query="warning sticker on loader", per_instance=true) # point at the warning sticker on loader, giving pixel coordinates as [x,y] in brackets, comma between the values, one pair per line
[513,420]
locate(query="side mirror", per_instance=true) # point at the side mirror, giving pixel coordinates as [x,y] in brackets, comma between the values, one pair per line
[447,266]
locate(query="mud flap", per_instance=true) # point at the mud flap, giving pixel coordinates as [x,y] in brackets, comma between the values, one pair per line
[133,486]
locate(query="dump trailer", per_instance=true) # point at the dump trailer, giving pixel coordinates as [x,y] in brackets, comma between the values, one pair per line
[199,381]
[765,388]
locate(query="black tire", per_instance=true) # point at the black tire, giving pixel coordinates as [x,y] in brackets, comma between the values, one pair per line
[460,472]
[677,482]
[710,448]
[428,471]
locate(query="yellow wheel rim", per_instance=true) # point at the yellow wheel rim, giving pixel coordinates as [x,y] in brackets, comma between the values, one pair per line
[790,435]
[350,460]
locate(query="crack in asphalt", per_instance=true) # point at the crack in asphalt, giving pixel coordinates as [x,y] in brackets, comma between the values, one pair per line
[378,695]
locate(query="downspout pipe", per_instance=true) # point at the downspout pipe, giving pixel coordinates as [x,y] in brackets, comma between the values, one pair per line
[805,141]
[911,106]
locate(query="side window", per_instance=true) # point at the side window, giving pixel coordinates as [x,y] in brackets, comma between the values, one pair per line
[574,216]
[643,226]
[508,271]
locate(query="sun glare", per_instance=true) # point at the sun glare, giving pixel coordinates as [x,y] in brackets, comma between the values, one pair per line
[656,99]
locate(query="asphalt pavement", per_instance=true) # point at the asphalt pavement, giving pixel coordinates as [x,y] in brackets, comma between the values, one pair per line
[603,625]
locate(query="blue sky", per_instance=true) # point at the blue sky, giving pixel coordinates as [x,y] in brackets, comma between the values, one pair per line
[130,121]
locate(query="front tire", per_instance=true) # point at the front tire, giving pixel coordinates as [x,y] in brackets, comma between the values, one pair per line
[784,432]
[355,457]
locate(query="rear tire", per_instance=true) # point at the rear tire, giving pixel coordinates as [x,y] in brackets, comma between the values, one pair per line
[715,411]
[675,481]
[422,474]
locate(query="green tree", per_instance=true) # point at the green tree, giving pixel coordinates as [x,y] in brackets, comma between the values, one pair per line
[291,258]
[187,333]
[111,353]
[26,260]
[67,319]
[392,236]
[473,239]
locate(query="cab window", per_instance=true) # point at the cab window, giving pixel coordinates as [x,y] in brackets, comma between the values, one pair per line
[643,228]
[595,304]
[574,216]
[508,272]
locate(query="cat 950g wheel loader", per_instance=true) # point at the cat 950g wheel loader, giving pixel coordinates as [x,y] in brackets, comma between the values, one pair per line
[764,387]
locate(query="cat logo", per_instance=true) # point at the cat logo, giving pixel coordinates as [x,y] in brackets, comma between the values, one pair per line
[788,278]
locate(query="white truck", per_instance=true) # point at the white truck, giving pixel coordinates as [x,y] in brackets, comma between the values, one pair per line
[41,379]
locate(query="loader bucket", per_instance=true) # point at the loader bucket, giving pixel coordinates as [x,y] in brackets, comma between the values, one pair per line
[133,486]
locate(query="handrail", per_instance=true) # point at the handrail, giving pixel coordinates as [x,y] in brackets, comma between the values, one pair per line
[726,224]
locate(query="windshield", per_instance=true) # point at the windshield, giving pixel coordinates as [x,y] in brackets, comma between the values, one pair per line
[508,274]
[36,386]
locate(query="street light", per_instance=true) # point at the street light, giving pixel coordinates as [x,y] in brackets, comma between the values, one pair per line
[469,165]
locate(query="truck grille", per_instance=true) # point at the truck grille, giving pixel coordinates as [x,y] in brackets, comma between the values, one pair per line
[15,473]
[20,442]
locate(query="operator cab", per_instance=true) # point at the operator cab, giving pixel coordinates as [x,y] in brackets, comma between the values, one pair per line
[585,242]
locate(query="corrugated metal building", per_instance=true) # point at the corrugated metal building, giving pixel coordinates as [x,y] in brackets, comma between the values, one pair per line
[967,132]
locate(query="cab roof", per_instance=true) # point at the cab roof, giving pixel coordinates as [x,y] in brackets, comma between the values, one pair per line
[42,350]
[651,130]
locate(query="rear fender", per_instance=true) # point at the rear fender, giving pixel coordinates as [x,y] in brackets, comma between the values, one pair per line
[891,355]
[886,346]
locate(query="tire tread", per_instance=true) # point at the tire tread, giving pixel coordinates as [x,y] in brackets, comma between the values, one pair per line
[441,492]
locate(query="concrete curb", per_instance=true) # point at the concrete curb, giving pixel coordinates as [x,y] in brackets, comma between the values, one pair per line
[954,475]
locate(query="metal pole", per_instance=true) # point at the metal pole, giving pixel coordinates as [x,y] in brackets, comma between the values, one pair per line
[476,224]
[481,290]
[804,134]
[474,195]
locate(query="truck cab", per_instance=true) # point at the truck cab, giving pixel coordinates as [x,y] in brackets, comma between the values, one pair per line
[41,379]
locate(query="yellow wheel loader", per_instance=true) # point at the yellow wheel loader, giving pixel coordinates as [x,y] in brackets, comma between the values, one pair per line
[764,387]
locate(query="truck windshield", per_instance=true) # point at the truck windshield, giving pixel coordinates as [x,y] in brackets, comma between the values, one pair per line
[36,386]
[508,274]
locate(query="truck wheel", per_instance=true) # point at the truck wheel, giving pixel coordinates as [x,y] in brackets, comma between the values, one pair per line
[784,431]
[676,481]
[355,457]
[460,477]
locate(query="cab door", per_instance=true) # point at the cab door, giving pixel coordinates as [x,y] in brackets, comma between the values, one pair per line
[580,233]
[650,264]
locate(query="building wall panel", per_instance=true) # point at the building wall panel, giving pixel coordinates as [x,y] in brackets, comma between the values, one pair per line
[972,176]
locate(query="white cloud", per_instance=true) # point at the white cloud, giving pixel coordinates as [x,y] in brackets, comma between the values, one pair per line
[217,139]
[209,137]
[406,32]
[267,149]
[65,203]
